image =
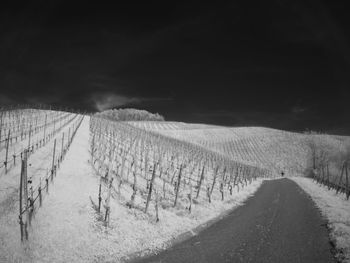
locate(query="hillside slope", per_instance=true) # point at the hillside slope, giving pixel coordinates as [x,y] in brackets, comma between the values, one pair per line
[276,150]
[121,159]
[67,228]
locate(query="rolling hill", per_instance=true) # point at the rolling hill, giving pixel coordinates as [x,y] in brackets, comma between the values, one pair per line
[100,190]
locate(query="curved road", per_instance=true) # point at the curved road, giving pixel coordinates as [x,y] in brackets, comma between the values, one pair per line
[280,223]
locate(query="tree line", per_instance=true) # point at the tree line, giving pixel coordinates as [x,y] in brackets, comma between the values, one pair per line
[129,115]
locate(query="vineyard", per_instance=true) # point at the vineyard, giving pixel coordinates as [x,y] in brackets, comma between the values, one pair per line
[271,149]
[27,130]
[275,150]
[329,162]
[100,189]
[168,171]
[33,145]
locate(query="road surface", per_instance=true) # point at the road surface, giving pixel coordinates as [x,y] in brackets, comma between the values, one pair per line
[280,223]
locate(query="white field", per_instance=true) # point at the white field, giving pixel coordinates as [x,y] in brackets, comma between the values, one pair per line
[278,150]
[68,229]
[273,149]
[337,211]
[263,147]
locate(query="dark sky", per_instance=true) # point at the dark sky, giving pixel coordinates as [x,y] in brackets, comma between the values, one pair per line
[277,63]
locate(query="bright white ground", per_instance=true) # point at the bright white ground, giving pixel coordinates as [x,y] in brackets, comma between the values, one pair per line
[67,229]
[336,209]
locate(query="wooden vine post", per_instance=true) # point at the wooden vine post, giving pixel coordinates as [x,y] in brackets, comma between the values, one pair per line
[53,159]
[30,133]
[134,188]
[222,191]
[108,200]
[22,130]
[190,198]
[45,128]
[54,126]
[178,185]
[7,150]
[1,128]
[200,182]
[23,198]
[347,181]
[341,178]
[62,146]
[99,195]
[92,148]
[150,187]
[214,180]
[328,181]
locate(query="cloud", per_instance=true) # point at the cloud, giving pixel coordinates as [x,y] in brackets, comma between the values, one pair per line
[298,110]
[108,100]
[104,101]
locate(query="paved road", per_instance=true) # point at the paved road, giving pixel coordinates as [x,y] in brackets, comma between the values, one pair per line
[279,224]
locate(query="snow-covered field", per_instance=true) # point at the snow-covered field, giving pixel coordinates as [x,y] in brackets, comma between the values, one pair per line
[336,209]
